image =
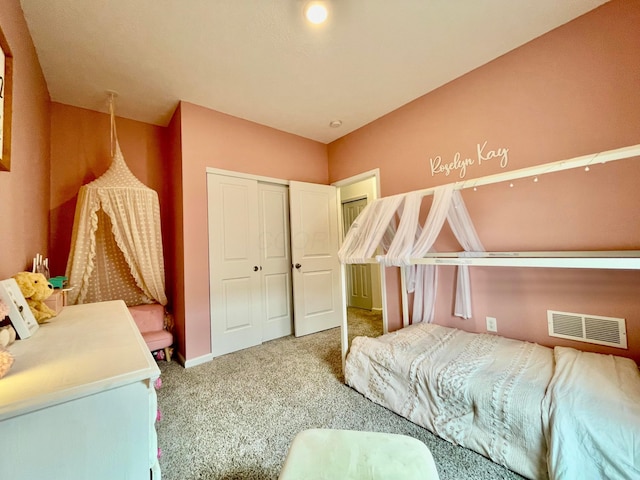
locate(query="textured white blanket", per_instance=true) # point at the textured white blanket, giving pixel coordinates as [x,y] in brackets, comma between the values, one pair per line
[483,392]
[593,407]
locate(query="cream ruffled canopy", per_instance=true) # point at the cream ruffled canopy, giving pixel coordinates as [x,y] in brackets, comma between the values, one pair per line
[116,247]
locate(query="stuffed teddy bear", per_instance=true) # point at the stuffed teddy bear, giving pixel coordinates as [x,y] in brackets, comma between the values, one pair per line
[36,289]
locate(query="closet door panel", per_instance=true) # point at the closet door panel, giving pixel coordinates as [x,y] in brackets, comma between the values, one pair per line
[317,277]
[275,260]
[277,303]
[234,260]
[314,283]
[237,299]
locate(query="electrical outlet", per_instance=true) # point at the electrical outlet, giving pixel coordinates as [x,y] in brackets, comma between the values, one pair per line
[492,324]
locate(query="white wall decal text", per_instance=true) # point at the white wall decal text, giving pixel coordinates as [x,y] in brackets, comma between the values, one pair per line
[483,154]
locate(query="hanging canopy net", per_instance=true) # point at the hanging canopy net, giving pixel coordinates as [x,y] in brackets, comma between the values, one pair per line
[116,246]
[375,229]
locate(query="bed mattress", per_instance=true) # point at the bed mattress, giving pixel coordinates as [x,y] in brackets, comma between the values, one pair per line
[483,392]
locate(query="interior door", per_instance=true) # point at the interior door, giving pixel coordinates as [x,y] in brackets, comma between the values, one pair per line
[317,279]
[234,261]
[358,275]
[275,263]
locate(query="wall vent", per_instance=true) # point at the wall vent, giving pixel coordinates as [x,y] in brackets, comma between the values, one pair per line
[588,328]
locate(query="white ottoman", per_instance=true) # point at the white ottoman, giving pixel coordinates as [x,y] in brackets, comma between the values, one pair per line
[325,454]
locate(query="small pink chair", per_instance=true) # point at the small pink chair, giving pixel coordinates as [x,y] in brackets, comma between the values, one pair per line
[150,320]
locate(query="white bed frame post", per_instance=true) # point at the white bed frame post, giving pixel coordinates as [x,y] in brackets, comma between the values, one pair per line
[405,296]
[344,329]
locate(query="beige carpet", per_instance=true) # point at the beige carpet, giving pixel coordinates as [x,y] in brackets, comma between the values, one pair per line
[235,417]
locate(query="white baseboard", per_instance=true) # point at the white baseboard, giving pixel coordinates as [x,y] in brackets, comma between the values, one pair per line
[376,309]
[195,361]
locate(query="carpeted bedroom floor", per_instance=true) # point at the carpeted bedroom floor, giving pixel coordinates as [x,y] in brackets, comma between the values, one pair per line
[235,417]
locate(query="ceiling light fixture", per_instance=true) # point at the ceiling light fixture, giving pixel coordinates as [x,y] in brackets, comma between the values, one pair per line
[335,123]
[316,12]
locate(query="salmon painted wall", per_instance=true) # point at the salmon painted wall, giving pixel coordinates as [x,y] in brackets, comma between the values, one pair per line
[174,247]
[80,153]
[24,191]
[571,92]
[213,139]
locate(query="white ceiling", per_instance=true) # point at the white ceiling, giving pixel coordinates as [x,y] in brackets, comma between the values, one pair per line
[259,60]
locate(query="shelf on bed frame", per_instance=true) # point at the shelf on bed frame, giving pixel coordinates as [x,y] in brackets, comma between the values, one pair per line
[616,260]
[609,259]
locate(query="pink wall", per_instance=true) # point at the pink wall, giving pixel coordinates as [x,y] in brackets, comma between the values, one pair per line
[571,92]
[174,247]
[80,153]
[24,191]
[213,139]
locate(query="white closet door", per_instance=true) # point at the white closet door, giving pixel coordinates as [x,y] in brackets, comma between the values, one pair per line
[317,279]
[277,318]
[234,260]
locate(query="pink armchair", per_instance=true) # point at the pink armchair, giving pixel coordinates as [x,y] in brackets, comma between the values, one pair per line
[150,320]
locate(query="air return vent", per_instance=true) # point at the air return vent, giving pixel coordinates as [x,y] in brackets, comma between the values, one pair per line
[588,328]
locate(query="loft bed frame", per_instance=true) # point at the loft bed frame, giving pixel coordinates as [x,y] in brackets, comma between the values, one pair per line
[609,259]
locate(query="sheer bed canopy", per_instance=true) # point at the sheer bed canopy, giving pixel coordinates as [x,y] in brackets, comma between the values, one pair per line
[116,247]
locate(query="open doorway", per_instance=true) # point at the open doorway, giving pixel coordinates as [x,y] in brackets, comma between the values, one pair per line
[363,283]
[358,275]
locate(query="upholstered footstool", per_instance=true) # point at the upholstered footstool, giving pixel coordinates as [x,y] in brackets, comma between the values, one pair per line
[347,454]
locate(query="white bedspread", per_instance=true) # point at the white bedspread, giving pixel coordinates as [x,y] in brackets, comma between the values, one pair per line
[481,391]
[593,407]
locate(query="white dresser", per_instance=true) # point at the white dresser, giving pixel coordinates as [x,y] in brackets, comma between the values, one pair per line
[79,401]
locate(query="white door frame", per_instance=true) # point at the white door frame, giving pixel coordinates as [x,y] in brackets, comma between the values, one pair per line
[375,173]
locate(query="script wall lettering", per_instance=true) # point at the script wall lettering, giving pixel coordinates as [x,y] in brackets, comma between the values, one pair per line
[460,164]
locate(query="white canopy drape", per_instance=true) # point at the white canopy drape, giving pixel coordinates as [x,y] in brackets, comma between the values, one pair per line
[413,241]
[116,247]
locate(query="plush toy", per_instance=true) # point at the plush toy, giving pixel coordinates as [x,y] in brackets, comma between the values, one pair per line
[6,360]
[7,332]
[7,335]
[36,289]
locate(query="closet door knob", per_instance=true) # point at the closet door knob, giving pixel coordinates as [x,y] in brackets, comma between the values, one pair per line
[298,266]
[255,268]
